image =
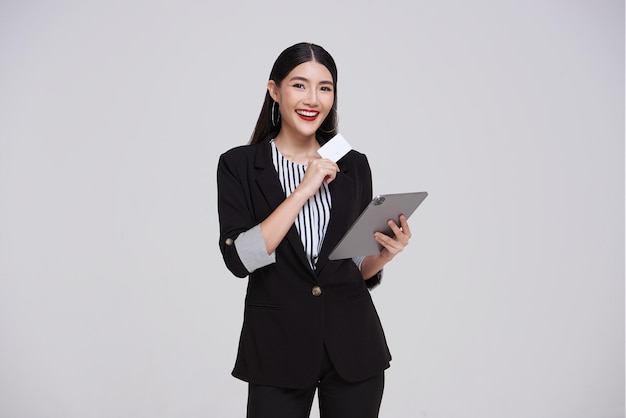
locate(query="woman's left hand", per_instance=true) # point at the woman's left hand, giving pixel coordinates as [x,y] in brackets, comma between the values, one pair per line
[392,246]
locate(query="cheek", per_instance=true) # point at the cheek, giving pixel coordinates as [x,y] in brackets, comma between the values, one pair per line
[286,97]
[328,101]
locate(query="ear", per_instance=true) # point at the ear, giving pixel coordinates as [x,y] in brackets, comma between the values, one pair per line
[273,90]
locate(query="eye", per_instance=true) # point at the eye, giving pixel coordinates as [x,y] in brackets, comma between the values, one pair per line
[298,85]
[326,89]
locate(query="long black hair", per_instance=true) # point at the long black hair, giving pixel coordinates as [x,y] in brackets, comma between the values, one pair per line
[287,61]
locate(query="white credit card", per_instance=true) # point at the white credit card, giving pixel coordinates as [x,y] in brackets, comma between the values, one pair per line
[334,149]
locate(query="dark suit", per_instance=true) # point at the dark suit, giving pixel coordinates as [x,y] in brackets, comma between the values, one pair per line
[287,321]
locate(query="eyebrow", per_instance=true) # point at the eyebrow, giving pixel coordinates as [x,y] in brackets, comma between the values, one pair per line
[297,77]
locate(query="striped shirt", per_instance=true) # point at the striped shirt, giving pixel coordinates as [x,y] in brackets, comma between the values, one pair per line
[312,220]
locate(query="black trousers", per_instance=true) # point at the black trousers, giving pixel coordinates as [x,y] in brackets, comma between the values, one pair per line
[337,397]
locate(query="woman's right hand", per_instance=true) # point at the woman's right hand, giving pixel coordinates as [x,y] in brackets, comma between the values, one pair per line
[318,171]
[275,227]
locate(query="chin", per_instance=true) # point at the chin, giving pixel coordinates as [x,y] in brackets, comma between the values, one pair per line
[308,132]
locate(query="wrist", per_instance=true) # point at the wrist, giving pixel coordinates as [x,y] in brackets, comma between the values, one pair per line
[300,194]
[386,256]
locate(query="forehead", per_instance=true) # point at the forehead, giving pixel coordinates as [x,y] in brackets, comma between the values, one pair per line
[312,71]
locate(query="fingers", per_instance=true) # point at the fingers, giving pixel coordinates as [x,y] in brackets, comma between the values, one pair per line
[404,226]
[324,164]
[394,245]
[323,169]
[390,243]
[318,171]
[391,247]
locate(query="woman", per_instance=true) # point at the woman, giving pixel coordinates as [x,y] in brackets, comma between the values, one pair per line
[309,322]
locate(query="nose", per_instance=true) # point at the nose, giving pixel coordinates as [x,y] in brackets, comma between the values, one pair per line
[311,98]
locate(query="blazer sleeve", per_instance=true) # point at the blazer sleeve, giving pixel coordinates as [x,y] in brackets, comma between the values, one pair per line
[367,197]
[233,208]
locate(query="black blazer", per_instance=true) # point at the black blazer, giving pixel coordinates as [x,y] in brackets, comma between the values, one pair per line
[287,320]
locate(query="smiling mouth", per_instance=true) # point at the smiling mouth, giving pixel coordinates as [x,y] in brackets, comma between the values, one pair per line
[308,115]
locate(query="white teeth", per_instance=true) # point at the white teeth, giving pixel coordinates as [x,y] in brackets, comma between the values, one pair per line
[305,113]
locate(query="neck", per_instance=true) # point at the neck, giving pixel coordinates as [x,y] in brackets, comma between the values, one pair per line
[297,149]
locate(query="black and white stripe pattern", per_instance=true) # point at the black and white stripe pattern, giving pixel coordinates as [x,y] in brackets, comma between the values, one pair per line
[312,221]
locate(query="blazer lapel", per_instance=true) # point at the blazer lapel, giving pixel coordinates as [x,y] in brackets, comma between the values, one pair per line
[342,194]
[266,177]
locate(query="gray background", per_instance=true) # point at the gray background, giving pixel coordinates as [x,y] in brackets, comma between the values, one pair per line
[114,301]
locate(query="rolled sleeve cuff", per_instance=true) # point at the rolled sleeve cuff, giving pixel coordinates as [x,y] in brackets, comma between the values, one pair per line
[358,261]
[373,281]
[251,249]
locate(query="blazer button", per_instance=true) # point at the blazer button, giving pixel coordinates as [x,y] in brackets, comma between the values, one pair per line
[316,291]
[229,241]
